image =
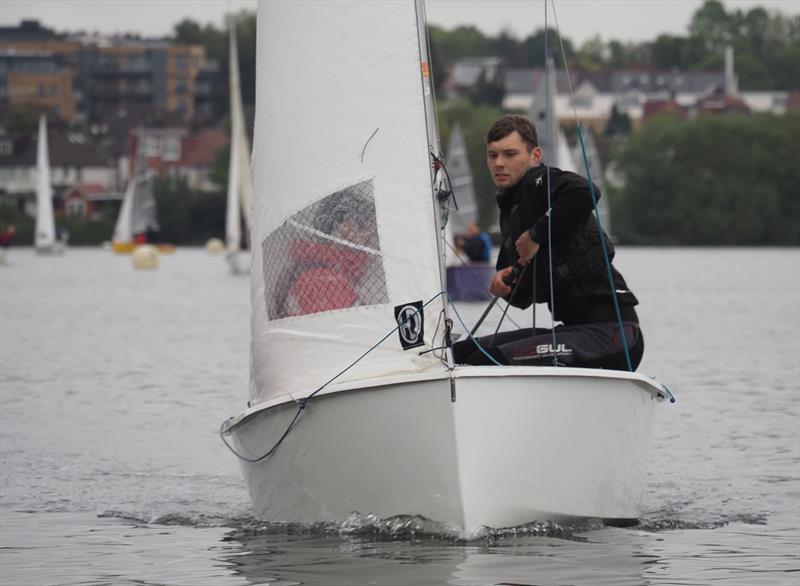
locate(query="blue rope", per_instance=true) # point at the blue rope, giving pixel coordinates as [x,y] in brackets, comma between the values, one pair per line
[469,333]
[591,191]
[549,203]
[605,251]
[301,404]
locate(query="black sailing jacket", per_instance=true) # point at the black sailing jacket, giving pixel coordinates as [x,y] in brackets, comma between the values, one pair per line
[581,277]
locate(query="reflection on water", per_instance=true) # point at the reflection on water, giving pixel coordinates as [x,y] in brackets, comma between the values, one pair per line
[113,383]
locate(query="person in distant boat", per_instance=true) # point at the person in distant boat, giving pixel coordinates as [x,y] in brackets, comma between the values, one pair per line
[7,235]
[582,300]
[477,244]
[329,264]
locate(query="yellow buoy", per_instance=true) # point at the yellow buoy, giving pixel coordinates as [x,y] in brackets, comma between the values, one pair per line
[214,246]
[145,257]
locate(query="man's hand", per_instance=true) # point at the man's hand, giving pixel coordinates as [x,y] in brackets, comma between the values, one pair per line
[526,248]
[498,288]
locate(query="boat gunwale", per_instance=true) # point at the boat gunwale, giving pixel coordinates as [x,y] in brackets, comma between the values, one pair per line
[646,383]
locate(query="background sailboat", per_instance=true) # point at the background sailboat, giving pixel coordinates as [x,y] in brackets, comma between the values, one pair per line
[239,196]
[138,217]
[555,147]
[466,280]
[355,403]
[45,241]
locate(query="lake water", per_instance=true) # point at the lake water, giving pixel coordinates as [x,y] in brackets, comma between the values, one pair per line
[113,383]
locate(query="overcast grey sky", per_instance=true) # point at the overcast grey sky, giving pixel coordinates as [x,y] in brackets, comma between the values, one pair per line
[580,20]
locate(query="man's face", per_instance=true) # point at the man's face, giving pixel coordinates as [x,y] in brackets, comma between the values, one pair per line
[509,159]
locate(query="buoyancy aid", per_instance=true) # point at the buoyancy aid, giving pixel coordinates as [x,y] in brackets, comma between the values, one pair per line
[323,277]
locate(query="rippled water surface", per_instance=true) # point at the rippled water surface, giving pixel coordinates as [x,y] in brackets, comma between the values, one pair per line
[113,383]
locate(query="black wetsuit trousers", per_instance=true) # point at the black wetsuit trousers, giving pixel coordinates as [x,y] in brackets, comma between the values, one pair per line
[593,344]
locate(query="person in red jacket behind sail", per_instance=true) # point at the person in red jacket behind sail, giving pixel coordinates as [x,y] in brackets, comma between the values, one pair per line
[328,267]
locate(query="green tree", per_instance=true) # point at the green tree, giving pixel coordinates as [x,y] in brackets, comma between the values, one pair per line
[713,180]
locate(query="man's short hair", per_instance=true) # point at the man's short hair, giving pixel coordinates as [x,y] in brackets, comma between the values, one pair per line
[508,124]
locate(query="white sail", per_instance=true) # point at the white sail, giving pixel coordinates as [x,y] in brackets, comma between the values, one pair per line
[138,213]
[123,230]
[239,173]
[460,173]
[45,238]
[341,136]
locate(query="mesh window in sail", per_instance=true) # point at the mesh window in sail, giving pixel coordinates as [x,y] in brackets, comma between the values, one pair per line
[325,257]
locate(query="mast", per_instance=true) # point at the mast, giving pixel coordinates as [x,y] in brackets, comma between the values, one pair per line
[437,172]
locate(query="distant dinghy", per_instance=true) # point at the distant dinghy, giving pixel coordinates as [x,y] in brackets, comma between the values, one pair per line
[45,241]
[138,215]
[355,404]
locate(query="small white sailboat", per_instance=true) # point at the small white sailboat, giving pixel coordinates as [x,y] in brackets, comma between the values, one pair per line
[555,147]
[45,241]
[355,404]
[239,195]
[467,280]
[138,215]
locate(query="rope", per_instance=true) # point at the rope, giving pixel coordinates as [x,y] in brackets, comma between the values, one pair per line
[301,404]
[470,336]
[550,139]
[611,283]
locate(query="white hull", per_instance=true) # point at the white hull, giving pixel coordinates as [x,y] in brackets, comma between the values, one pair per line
[517,445]
[239,262]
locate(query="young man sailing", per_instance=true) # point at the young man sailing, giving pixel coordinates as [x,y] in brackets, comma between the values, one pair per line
[577,291]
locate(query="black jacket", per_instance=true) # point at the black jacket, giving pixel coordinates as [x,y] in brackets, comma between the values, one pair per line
[581,276]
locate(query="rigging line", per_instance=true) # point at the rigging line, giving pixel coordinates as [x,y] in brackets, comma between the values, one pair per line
[473,275]
[301,403]
[471,337]
[337,240]
[548,114]
[452,192]
[585,158]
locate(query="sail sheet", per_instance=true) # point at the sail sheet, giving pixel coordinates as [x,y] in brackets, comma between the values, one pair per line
[344,229]
[45,220]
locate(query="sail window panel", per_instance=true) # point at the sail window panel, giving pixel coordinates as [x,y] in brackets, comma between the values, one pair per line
[326,257]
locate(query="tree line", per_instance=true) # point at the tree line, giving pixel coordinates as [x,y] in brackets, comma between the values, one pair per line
[716,180]
[766,45]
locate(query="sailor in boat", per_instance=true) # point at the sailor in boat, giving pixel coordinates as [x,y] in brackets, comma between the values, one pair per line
[582,299]
[477,243]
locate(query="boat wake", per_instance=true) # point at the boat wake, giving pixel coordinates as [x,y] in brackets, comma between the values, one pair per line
[396,528]
[419,528]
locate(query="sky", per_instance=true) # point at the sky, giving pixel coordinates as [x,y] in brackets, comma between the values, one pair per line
[579,20]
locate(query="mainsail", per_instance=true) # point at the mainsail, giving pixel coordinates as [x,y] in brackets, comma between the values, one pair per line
[344,233]
[45,238]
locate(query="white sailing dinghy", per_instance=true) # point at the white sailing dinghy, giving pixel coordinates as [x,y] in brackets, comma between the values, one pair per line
[239,199]
[138,214]
[349,411]
[45,241]
[556,151]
